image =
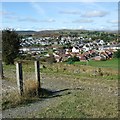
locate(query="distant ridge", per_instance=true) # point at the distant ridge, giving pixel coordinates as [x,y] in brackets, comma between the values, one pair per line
[57,32]
[25,32]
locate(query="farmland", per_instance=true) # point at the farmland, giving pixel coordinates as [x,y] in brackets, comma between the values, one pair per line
[78,91]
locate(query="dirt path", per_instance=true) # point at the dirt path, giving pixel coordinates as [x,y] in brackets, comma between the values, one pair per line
[8,86]
[54,84]
[60,86]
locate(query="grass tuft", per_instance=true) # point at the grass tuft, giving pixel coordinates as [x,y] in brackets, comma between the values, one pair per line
[13,98]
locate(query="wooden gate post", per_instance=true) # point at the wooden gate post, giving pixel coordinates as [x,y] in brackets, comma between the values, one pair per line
[1,70]
[19,75]
[37,75]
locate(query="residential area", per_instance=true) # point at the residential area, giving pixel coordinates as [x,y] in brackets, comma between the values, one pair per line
[63,47]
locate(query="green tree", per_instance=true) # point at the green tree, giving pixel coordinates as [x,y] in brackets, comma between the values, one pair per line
[72,60]
[10,45]
[117,54]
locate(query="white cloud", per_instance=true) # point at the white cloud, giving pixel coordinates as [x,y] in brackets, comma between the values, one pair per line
[83,21]
[113,21]
[65,22]
[102,28]
[8,15]
[5,13]
[48,20]
[81,27]
[28,19]
[95,13]
[74,12]
[11,17]
[63,27]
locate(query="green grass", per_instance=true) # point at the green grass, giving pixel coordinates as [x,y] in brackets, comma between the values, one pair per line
[78,69]
[113,63]
[81,104]
[88,103]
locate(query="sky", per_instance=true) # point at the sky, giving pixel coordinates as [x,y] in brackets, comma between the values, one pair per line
[59,15]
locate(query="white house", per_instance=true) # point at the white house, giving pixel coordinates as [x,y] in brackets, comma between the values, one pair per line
[75,50]
[85,48]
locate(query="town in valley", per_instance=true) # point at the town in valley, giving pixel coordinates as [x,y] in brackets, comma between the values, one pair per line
[64,44]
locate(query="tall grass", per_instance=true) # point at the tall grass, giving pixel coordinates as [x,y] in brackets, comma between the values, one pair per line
[13,98]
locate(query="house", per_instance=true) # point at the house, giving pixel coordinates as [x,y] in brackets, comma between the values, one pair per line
[100,42]
[75,50]
[67,51]
[86,48]
[112,47]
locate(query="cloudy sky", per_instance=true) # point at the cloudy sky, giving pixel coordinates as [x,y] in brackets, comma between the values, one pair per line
[59,15]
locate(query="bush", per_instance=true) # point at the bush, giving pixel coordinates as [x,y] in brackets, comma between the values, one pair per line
[72,59]
[117,54]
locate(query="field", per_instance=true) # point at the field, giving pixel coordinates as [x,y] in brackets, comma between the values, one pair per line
[78,90]
[103,64]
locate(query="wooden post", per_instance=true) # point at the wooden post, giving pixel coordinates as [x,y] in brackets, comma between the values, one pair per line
[1,70]
[19,75]
[37,75]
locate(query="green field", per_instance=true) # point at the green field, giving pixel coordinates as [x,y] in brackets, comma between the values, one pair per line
[113,63]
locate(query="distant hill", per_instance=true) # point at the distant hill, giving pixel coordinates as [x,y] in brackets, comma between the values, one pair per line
[58,32]
[24,32]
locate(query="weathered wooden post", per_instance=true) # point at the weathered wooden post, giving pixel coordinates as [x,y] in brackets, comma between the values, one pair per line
[1,70]
[19,75]
[37,75]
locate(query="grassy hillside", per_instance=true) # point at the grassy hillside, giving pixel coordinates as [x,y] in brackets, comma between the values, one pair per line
[81,91]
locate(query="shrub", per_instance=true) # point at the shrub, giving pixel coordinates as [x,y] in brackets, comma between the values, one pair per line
[117,54]
[72,59]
